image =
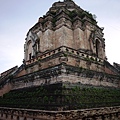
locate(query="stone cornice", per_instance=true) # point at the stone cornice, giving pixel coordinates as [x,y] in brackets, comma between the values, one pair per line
[77,53]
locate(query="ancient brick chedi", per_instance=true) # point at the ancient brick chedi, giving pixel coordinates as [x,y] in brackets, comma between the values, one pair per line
[64,64]
[69,29]
[67,35]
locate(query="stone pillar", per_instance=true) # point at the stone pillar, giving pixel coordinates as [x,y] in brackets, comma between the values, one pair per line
[98,117]
[1,115]
[106,117]
[4,116]
[119,116]
[113,116]
[14,117]
[21,118]
[9,117]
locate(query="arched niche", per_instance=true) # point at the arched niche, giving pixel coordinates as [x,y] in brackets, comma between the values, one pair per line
[29,50]
[98,48]
[31,46]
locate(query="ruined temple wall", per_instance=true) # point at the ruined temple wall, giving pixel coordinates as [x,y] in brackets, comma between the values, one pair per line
[64,37]
[68,58]
[21,73]
[95,81]
[79,39]
[82,36]
[50,39]
[5,89]
[87,33]
[40,35]
[65,78]
[46,40]
[105,113]
[51,77]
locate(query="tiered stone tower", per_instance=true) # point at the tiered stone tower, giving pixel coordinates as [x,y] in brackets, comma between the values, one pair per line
[64,65]
[68,42]
[68,29]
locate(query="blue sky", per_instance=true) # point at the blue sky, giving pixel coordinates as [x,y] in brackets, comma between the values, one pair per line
[18,16]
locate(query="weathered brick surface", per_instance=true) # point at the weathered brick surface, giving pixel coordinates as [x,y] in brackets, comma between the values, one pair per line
[109,113]
[5,89]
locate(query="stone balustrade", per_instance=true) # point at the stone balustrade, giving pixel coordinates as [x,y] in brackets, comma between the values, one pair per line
[107,113]
[72,51]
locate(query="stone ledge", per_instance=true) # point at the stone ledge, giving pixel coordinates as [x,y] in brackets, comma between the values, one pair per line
[60,73]
[70,51]
[112,113]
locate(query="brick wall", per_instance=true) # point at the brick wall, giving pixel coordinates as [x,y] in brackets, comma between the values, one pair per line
[107,113]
